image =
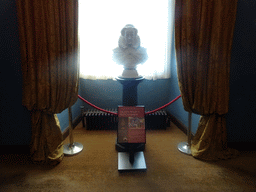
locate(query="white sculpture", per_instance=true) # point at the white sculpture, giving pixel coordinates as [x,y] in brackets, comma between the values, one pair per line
[129,53]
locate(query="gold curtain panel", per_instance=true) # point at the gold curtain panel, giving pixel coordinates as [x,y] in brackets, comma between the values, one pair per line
[203,40]
[50,68]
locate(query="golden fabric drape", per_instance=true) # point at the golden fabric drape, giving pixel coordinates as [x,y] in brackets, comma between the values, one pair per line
[50,68]
[203,40]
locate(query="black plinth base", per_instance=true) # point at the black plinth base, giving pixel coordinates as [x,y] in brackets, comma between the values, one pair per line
[130,90]
[126,147]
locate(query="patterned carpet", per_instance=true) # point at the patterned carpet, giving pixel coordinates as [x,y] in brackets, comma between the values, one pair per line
[95,168]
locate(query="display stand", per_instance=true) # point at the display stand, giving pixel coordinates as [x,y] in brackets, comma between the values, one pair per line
[130,152]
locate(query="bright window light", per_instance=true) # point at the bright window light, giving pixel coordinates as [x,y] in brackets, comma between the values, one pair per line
[100,24]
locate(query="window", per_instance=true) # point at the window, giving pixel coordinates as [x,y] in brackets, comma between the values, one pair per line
[100,24]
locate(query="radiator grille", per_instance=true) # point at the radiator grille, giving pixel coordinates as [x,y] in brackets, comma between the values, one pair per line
[98,120]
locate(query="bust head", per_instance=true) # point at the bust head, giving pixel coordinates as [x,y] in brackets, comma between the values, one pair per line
[129,37]
[129,53]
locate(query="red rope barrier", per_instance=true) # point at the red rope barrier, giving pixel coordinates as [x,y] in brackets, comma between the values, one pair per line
[116,113]
[96,106]
[149,112]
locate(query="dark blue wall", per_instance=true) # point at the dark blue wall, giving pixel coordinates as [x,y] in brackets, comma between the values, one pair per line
[14,118]
[108,93]
[64,117]
[241,118]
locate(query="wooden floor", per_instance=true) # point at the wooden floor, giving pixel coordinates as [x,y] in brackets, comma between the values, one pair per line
[95,168]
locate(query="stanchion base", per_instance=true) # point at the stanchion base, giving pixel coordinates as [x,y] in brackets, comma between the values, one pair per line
[124,163]
[72,149]
[184,148]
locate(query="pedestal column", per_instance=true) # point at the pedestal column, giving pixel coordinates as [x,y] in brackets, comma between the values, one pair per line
[130,98]
[130,85]
[130,155]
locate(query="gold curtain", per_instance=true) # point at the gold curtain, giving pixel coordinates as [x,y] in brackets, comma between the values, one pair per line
[50,68]
[203,41]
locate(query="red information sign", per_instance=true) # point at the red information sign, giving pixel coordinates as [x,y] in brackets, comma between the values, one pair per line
[131,124]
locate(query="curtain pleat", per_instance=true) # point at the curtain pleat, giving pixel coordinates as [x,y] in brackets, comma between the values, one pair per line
[50,68]
[203,40]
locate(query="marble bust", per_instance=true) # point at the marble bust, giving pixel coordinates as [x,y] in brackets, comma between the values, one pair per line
[129,53]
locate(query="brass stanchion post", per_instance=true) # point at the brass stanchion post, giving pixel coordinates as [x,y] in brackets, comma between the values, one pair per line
[185,147]
[72,148]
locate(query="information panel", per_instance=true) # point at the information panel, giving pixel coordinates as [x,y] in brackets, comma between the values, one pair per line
[131,124]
